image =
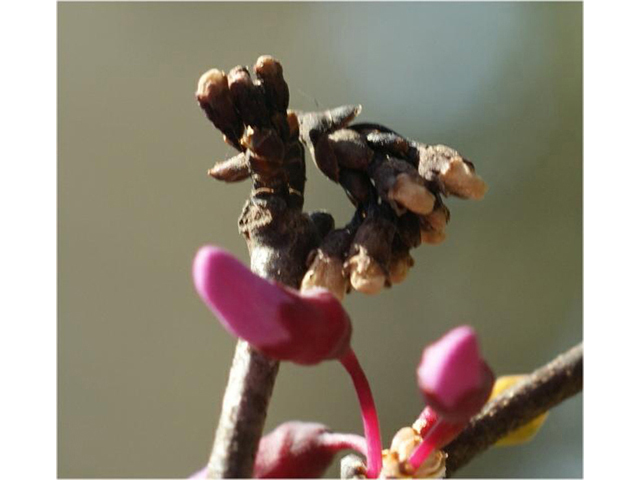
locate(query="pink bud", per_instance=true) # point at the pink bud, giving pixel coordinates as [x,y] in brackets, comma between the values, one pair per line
[453,377]
[285,324]
[301,450]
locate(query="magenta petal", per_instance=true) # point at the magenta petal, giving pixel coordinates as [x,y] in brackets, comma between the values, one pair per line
[246,304]
[281,322]
[450,366]
[294,450]
[453,376]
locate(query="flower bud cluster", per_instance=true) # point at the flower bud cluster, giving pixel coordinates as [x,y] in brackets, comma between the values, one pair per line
[397,186]
[253,117]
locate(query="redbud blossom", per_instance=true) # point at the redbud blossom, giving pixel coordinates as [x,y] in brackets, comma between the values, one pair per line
[305,328]
[456,383]
[453,377]
[301,450]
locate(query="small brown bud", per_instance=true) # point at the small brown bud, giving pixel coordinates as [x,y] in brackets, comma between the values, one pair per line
[235,169]
[388,143]
[401,263]
[366,274]
[325,159]
[326,272]
[350,149]
[400,185]
[264,143]
[453,173]
[357,185]
[215,100]
[269,72]
[461,180]
[432,226]
[412,194]
[370,254]
[248,98]
[315,125]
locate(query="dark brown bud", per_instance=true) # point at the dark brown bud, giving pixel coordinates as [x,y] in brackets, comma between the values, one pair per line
[400,185]
[324,158]
[248,98]
[264,143]
[269,72]
[235,169]
[357,186]
[408,226]
[453,173]
[215,99]
[401,262]
[326,264]
[323,221]
[315,125]
[350,149]
[388,143]
[432,226]
[370,255]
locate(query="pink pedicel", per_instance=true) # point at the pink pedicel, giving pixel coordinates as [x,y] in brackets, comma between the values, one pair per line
[456,383]
[281,322]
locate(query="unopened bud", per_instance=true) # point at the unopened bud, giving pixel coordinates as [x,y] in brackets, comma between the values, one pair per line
[269,72]
[350,149]
[401,263]
[235,169]
[357,185]
[214,98]
[388,142]
[399,183]
[248,99]
[366,274]
[432,226]
[412,194]
[326,272]
[370,254]
[447,167]
[461,180]
[265,143]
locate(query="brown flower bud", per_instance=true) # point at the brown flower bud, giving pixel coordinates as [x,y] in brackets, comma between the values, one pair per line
[248,98]
[315,125]
[432,226]
[401,263]
[366,274]
[370,254]
[454,174]
[350,149]
[408,226]
[264,143]
[235,169]
[389,143]
[400,185]
[326,272]
[326,263]
[357,185]
[269,72]
[215,100]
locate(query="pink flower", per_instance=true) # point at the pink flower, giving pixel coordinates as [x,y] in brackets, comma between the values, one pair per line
[299,450]
[453,377]
[456,383]
[305,328]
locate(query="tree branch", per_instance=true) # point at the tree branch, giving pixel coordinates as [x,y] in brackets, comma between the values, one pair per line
[542,390]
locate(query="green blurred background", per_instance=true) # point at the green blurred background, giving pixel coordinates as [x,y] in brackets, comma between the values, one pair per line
[142,363]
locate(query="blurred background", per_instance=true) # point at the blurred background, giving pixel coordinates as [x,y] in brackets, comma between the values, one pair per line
[142,364]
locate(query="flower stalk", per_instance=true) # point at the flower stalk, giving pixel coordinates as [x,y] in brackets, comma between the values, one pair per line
[368,411]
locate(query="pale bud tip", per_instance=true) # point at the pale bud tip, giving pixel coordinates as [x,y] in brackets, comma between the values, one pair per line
[211,83]
[412,195]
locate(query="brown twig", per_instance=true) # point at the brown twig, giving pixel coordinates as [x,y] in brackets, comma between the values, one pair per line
[540,391]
